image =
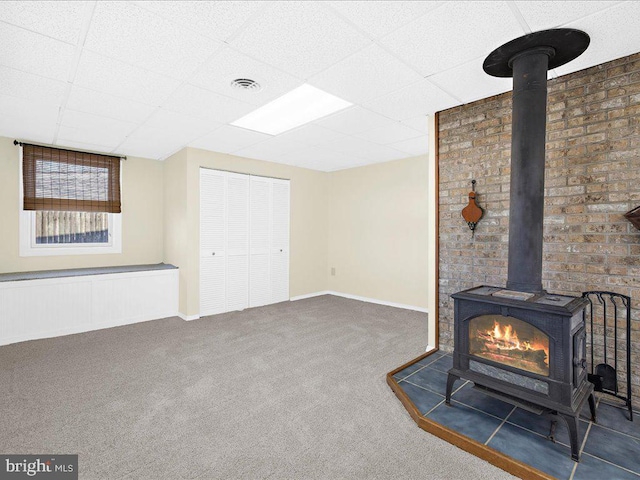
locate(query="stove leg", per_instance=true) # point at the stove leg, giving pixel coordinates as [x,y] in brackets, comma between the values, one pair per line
[451,379]
[552,431]
[592,407]
[572,425]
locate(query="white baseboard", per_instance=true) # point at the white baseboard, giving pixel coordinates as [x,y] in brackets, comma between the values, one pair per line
[187,318]
[362,299]
[309,295]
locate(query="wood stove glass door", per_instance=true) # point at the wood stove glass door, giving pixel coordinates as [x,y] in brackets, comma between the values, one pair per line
[509,341]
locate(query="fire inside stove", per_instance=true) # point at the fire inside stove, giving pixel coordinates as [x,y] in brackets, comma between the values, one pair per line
[509,341]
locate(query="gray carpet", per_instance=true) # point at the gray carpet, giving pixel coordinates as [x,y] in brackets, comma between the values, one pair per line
[294,390]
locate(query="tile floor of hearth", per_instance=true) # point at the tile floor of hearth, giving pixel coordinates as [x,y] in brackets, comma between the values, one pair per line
[610,447]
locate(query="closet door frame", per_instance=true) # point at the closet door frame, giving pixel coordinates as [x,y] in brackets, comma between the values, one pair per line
[272,251]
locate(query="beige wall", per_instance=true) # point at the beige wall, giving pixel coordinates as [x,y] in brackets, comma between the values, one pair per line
[309,220]
[175,218]
[368,222]
[142,218]
[378,231]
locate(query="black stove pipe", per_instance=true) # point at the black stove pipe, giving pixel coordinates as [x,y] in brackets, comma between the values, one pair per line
[527,60]
[526,210]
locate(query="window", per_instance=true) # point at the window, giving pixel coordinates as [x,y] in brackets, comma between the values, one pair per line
[70,202]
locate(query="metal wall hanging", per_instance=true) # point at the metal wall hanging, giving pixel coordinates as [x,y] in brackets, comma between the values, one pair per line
[473,212]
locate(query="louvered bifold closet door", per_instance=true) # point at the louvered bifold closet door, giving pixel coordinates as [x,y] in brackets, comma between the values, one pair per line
[279,240]
[212,242]
[237,241]
[259,242]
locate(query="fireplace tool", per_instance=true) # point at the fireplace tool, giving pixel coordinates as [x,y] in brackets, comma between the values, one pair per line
[604,376]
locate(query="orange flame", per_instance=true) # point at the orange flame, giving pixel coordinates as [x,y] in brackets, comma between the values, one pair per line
[508,339]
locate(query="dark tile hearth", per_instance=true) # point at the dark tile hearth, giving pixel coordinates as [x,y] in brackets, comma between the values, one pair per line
[615,447]
[489,405]
[533,449]
[610,448]
[468,421]
[424,400]
[429,378]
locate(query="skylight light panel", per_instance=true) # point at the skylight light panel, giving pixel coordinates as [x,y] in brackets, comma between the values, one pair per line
[298,107]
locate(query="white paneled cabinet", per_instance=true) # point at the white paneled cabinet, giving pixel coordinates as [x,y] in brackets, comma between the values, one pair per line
[244,241]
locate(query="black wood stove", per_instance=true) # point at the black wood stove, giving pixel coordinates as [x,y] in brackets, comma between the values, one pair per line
[520,343]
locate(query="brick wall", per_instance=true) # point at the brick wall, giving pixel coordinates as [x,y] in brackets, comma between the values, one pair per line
[592,179]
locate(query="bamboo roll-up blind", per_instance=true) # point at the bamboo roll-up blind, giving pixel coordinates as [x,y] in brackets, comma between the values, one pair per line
[65,180]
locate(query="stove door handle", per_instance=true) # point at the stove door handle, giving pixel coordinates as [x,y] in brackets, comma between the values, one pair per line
[580,362]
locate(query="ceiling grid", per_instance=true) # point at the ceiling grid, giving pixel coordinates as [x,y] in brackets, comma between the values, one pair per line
[149,78]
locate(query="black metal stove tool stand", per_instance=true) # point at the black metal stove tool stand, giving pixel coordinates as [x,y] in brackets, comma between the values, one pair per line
[604,376]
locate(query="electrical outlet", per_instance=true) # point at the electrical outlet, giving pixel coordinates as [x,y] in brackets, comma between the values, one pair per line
[333,271]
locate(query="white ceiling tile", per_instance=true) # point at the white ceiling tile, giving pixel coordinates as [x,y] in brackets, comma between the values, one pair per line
[97,103]
[198,102]
[417,123]
[391,132]
[418,99]
[34,87]
[27,120]
[469,82]
[311,134]
[353,120]
[107,75]
[318,158]
[83,146]
[302,38]
[361,148]
[80,138]
[365,75]
[60,20]
[217,20]
[382,17]
[453,34]
[149,143]
[75,119]
[228,139]
[88,128]
[136,36]
[604,45]
[226,65]
[184,127]
[541,15]
[165,133]
[34,53]
[413,146]
[272,149]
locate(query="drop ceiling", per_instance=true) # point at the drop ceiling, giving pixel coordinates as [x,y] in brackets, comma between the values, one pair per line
[150,78]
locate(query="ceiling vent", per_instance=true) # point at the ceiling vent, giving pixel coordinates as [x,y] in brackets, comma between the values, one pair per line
[246,84]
